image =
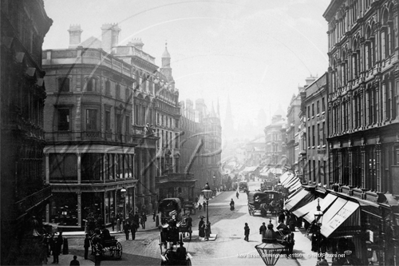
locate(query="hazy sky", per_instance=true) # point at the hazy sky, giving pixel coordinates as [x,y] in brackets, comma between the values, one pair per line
[255,51]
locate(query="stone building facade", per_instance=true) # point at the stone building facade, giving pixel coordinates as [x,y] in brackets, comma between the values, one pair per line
[24,193]
[100,142]
[363,119]
[316,131]
[200,145]
[275,138]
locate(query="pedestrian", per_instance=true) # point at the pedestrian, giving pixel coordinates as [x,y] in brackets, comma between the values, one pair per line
[201,227]
[237,194]
[60,240]
[262,230]
[86,246]
[143,220]
[281,217]
[199,206]
[126,228]
[113,221]
[204,204]
[246,232]
[74,261]
[97,258]
[136,220]
[290,244]
[154,214]
[56,250]
[133,229]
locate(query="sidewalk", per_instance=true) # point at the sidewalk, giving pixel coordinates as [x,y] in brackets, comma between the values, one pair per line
[302,248]
[66,259]
[149,226]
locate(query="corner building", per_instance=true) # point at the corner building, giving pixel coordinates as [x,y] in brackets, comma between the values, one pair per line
[98,141]
[363,118]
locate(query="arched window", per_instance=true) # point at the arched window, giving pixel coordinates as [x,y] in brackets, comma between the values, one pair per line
[384,36]
[391,31]
[368,49]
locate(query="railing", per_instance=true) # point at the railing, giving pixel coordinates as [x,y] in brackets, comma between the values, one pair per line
[88,136]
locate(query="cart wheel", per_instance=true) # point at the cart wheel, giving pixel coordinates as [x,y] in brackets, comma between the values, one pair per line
[118,250]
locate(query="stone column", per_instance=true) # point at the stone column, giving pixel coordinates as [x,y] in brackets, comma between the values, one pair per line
[340,164]
[363,165]
[383,102]
[47,169]
[378,165]
[79,167]
[79,195]
[351,166]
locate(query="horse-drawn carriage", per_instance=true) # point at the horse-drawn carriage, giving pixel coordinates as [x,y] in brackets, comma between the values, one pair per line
[169,237]
[266,202]
[189,206]
[168,208]
[105,245]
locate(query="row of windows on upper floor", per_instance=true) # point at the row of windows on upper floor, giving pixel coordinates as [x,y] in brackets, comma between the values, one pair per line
[273,136]
[312,112]
[316,135]
[372,107]
[350,66]
[347,17]
[92,84]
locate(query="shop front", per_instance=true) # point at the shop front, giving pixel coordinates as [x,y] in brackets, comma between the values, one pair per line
[176,186]
[80,205]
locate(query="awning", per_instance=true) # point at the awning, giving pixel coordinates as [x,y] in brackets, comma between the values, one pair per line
[347,210]
[299,200]
[288,180]
[285,176]
[249,169]
[334,208]
[324,205]
[292,182]
[308,208]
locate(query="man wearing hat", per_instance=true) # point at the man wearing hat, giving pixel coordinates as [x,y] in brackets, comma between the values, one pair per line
[181,252]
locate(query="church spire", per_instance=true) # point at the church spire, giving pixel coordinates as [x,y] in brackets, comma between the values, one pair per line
[166,69]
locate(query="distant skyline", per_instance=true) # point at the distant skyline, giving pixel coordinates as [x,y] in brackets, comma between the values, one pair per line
[256,52]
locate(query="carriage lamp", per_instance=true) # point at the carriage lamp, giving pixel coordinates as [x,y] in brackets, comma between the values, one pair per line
[318,216]
[270,250]
[207,194]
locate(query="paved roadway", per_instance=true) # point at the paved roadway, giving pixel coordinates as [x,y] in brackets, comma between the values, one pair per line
[229,248]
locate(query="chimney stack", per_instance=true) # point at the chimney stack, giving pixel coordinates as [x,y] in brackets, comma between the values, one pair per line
[74,35]
[110,36]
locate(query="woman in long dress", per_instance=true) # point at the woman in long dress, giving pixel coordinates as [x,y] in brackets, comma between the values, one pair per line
[201,227]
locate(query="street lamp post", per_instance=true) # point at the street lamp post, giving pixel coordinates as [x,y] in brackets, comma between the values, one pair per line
[123,195]
[207,194]
[269,250]
[318,216]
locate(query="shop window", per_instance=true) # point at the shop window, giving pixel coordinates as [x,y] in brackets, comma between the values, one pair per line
[93,209]
[64,209]
[91,166]
[63,167]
